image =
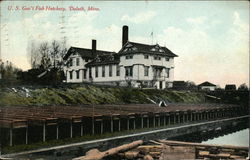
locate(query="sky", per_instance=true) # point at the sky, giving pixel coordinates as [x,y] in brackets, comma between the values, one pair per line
[211,38]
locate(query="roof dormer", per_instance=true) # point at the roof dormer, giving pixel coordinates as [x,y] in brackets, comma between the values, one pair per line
[129,47]
[157,48]
[98,59]
[112,58]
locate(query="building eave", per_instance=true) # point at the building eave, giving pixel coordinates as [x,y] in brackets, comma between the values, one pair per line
[90,64]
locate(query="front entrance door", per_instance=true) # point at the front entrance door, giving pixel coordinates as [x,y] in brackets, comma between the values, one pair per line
[160,84]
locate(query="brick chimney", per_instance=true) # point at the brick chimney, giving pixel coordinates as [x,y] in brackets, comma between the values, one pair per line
[93,47]
[124,35]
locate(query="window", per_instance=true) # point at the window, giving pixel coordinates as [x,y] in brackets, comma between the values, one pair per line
[110,70]
[146,56]
[77,74]
[77,61]
[129,57]
[129,71]
[157,72]
[167,72]
[84,74]
[90,73]
[103,71]
[96,71]
[117,70]
[146,68]
[57,62]
[70,74]
[71,62]
[167,59]
[157,58]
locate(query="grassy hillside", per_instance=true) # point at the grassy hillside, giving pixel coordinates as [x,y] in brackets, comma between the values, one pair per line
[89,94]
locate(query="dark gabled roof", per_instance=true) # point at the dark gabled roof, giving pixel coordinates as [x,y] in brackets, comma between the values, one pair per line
[206,84]
[105,60]
[147,49]
[85,53]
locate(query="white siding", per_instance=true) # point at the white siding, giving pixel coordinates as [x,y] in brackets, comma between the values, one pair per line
[210,88]
[138,62]
[75,68]
[107,77]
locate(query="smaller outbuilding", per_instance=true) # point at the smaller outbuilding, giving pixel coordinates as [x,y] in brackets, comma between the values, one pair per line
[207,86]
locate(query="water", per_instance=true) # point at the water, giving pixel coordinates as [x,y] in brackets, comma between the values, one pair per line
[240,138]
[232,135]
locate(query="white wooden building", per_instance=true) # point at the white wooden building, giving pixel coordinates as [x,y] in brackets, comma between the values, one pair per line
[207,86]
[136,65]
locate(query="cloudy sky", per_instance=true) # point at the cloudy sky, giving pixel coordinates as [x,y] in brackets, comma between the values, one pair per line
[210,38]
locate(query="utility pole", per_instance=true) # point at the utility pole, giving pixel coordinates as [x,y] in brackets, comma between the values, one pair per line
[152,37]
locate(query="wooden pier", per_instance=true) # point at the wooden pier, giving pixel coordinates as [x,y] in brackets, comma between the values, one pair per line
[26,125]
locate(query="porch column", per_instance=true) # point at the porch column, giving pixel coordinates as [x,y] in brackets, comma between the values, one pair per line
[44,132]
[134,123]
[197,116]
[93,125]
[169,120]
[174,118]
[159,121]
[154,121]
[57,131]
[148,122]
[141,121]
[101,126]
[81,129]
[127,123]
[11,136]
[111,125]
[71,129]
[119,125]
[164,120]
[26,135]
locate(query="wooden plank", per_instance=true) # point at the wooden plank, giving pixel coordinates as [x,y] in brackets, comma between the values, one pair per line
[178,152]
[203,153]
[168,142]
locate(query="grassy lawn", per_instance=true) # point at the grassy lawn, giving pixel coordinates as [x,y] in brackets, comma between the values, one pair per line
[89,94]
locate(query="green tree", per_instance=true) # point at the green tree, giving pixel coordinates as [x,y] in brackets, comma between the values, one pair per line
[8,72]
[243,87]
[191,85]
[46,55]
